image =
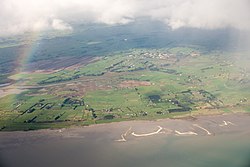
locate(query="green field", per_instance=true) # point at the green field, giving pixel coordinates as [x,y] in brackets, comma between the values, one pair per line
[136,84]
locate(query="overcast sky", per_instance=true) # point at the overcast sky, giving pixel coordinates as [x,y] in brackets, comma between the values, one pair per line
[18,16]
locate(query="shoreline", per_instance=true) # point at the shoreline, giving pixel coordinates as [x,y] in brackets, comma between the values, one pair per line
[134,132]
[179,117]
[198,118]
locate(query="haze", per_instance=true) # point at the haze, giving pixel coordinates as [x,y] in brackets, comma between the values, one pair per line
[22,16]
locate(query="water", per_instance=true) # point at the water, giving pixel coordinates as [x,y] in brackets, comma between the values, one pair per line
[96,146]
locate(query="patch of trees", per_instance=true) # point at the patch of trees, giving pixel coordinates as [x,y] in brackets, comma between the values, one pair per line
[30,120]
[108,117]
[31,109]
[155,98]
[207,94]
[168,71]
[47,106]
[184,109]
[207,68]
[96,74]
[113,65]
[49,81]
[136,69]
[58,116]
[143,113]
[70,101]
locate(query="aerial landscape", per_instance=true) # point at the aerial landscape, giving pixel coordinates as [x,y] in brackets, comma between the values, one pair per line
[128,83]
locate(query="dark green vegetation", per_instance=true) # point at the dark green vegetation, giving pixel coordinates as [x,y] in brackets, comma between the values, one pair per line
[136,84]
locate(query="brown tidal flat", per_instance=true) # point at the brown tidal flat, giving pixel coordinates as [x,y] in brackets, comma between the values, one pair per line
[204,141]
[201,126]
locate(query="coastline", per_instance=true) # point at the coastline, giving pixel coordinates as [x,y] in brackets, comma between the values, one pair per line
[169,137]
[194,116]
[207,125]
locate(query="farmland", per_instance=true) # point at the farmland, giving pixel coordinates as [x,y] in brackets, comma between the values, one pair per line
[131,85]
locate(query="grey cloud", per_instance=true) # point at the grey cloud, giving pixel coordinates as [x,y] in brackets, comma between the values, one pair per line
[35,15]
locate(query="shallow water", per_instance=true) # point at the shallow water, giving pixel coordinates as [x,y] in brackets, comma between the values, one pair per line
[96,146]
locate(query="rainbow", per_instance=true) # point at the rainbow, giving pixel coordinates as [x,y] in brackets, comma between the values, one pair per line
[27,51]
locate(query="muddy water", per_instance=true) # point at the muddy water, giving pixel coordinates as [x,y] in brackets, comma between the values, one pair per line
[227,145]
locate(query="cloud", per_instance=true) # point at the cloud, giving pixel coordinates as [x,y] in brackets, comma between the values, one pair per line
[60,25]
[18,16]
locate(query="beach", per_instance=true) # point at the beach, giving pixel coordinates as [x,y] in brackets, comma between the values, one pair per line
[177,141]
